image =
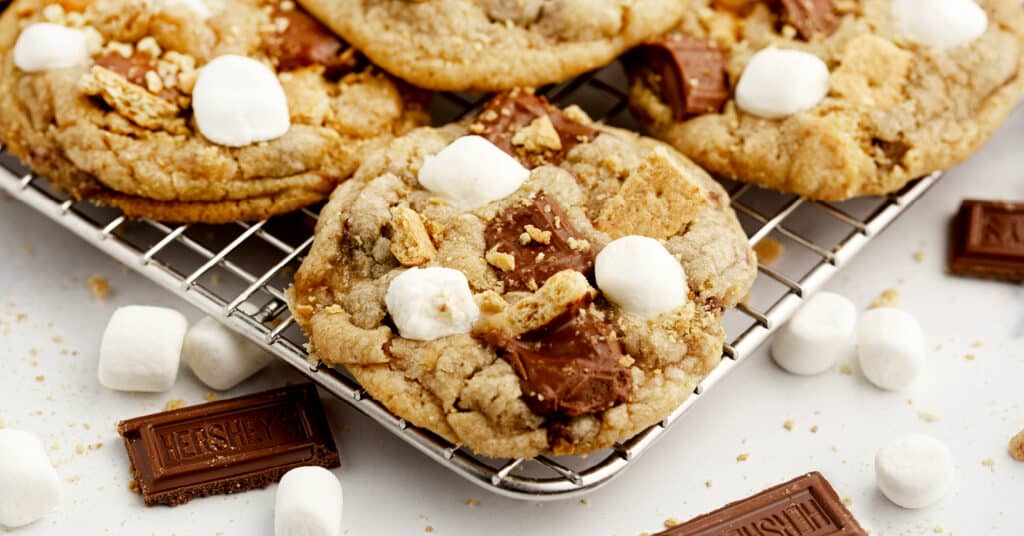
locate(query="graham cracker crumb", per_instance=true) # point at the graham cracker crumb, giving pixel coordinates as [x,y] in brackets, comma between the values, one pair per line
[99,285]
[927,416]
[990,463]
[80,449]
[976,344]
[626,361]
[970,357]
[814,429]
[174,404]
[40,378]
[671,522]
[503,261]
[708,483]
[537,235]
[846,369]
[918,256]
[742,457]
[788,425]
[769,250]
[847,501]
[429,528]
[585,502]
[1016,446]
[210,396]
[472,502]
[133,486]
[889,297]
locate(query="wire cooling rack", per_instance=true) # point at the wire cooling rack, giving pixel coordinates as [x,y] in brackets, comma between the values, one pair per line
[238,274]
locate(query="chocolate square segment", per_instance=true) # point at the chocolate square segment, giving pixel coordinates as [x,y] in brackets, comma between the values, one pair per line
[988,240]
[811,17]
[692,71]
[507,113]
[542,241]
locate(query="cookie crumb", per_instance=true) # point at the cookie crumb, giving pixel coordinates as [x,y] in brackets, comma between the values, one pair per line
[174,404]
[927,416]
[40,378]
[430,528]
[742,457]
[133,486]
[1016,445]
[99,286]
[990,463]
[847,501]
[585,502]
[814,429]
[938,530]
[976,344]
[919,256]
[769,250]
[79,449]
[788,425]
[472,502]
[889,297]
[845,369]
[708,483]
[210,396]
[970,357]
[671,522]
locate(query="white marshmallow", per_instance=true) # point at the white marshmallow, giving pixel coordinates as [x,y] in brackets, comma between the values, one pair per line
[29,485]
[940,23]
[198,7]
[915,471]
[141,348]
[238,101]
[219,357]
[308,503]
[639,275]
[430,303]
[890,348]
[43,46]
[817,336]
[778,82]
[471,172]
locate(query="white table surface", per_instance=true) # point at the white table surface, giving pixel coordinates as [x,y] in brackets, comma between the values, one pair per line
[50,328]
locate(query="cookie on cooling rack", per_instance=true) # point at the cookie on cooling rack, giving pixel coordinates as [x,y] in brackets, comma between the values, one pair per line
[191,110]
[831,99]
[527,283]
[490,45]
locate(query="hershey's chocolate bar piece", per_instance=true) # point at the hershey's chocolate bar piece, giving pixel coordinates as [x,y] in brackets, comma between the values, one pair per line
[988,240]
[692,71]
[804,506]
[229,446]
[811,17]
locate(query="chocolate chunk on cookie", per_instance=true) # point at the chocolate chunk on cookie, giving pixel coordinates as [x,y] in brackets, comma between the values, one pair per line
[692,74]
[529,128]
[811,17]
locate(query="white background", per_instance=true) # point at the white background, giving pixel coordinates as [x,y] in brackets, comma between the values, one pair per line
[392,489]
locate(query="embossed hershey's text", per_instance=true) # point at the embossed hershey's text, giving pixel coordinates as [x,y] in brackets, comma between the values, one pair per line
[255,429]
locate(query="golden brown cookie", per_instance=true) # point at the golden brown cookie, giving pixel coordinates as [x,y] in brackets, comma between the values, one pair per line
[900,100]
[497,313]
[120,127]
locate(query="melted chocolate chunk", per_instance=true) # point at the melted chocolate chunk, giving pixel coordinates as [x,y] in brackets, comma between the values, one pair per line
[570,370]
[811,17]
[508,112]
[134,70]
[692,70]
[306,42]
[553,246]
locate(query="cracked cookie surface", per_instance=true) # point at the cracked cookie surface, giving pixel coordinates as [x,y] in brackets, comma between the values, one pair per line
[550,366]
[895,110]
[489,45]
[120,129]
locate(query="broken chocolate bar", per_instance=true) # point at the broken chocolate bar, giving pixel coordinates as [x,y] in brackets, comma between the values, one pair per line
[229,446]
[988,240]
[804,506]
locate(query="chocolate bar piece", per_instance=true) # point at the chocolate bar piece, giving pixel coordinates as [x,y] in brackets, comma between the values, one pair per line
[228,446]
[988,240]
[804,506]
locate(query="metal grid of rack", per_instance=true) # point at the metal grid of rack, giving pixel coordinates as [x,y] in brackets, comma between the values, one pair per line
[238,273]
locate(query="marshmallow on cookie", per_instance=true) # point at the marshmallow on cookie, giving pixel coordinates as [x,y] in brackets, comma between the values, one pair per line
[44,46]
[239,101]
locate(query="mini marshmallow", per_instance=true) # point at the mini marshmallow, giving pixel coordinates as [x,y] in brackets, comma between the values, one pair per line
[308,503]
[890,348]
[43,46]
[238,101]
[915,471]
[29,485]
[219,357]
[778,82]
[197,7]
[639,275]
[817,336]
[471,172]
[940,23]
[141,348]
[430,303]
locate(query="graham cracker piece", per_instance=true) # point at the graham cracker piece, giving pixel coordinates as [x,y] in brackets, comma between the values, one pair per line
[410,241]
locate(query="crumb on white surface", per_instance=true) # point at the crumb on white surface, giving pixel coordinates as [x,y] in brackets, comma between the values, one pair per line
[99,286]
[845,369]
[889,297]
[769,250]
[174,404]
[928,416]
[788,425]
[742,457]
[1016,445]
[671,522]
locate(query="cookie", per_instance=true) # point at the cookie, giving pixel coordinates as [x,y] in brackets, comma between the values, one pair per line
[527,283]
[831,99]
[491,45]
[190,110]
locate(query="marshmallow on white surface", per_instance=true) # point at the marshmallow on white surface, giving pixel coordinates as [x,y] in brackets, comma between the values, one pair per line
[43,46]
[308,503]
[940,23]
[890,348]
[639,275]
[915,471]
[141,348]
[817,336]
[430,303]
[219,357]
[29,485]
[471,172]
[238,101]
[778,82]
[197,7]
